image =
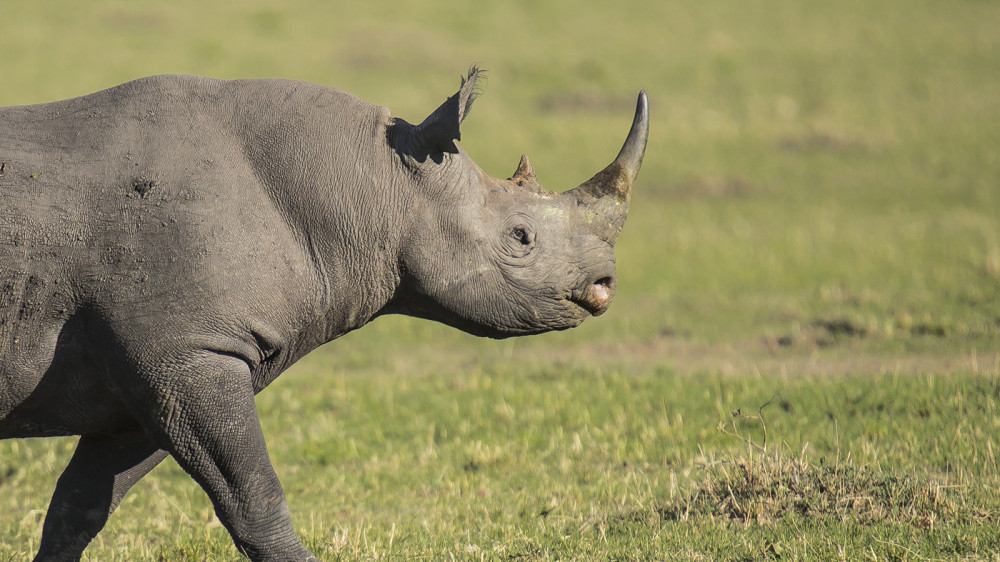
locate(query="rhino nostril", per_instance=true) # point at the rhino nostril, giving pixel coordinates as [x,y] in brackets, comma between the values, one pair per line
[601,291]
[597,296]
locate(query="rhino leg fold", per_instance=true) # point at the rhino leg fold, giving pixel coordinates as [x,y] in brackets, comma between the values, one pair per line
[206,418]
[100,473]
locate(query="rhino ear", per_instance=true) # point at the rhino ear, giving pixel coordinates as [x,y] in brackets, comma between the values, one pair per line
[438,132]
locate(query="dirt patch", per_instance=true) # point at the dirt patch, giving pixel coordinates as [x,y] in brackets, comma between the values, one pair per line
[820,333]
[929,330]
[841,327]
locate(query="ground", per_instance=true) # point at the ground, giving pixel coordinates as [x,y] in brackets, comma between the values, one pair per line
[813,255]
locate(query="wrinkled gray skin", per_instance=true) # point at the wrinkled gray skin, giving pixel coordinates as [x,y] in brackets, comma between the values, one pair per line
[171,245]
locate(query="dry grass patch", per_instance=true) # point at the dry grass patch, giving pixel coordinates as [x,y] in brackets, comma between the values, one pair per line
[761,490]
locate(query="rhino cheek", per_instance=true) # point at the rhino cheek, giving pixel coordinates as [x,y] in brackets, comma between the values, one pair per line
[544,303]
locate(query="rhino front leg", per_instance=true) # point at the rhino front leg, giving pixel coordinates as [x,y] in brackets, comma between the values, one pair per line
[91,487]
[206,418]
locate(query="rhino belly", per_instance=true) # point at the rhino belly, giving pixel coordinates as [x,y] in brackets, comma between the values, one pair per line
[50,380]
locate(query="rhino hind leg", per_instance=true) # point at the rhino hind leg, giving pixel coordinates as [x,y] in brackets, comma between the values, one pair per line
[93,484]
[206,418]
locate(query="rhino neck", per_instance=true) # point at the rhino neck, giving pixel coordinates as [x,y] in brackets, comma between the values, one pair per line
[337,186]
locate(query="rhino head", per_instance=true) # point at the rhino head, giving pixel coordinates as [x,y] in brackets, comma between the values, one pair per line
[505,257]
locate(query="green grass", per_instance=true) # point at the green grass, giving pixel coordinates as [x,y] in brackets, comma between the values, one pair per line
[816,222]
[570,462]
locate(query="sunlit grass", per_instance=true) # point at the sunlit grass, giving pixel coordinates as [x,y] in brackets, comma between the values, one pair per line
[816,222]
[575,463]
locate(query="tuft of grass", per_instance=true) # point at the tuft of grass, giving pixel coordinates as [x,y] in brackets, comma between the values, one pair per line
[775,487]
[777,506]
[774,505]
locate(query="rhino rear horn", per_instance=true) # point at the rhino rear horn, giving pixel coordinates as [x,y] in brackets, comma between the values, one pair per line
[606,195]
[524,172]
[438,132]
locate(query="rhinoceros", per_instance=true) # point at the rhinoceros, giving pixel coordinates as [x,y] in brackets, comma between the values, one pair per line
[169,246]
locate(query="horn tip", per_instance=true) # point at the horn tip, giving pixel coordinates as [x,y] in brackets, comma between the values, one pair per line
[642,104]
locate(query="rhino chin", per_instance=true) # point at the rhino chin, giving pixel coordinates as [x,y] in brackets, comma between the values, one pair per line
[506,332]
[572,316]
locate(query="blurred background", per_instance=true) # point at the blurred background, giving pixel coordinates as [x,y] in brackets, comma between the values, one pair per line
[818,176]
[820,196]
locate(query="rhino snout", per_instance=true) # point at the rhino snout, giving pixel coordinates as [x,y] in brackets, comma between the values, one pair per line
[596,297]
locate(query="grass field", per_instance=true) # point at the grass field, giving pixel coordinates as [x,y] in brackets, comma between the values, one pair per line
[803,359]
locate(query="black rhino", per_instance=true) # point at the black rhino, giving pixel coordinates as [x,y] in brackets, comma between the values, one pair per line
[169,246]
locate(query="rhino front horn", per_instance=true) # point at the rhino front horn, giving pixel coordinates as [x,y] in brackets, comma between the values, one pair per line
[604,198]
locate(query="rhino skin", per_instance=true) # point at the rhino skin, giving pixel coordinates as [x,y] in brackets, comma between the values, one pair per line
[169,246]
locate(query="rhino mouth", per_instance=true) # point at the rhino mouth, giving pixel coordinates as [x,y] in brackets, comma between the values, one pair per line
[596,297]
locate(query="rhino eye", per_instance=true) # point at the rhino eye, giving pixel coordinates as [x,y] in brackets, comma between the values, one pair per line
[517,238]
[522,235]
